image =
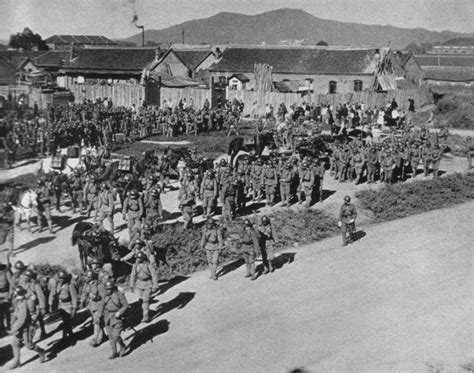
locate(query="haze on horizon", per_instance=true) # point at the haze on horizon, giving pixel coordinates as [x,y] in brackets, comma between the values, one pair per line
[112,18]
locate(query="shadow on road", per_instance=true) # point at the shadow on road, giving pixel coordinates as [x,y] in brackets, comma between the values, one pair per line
[232,266]
[30,245]
[359,235]
[6,354]
[144,335]
[326,194]
[178,302]
[282,259]
[171,283]
[65,221]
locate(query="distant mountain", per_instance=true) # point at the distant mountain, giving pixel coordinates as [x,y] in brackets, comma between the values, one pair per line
[289,25]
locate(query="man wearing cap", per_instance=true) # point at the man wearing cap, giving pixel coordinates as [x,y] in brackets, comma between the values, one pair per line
[20,330]
[426,153]
[154,209]
[106,206]
[132,210]
[372,161]
[347,217]
[143,278]
[388,165]
[92,294]
[113,307]
[212,242]
[230,194]
[65,294]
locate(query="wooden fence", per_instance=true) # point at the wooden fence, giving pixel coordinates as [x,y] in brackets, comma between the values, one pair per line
[120,94]
[195,96]
[421,96]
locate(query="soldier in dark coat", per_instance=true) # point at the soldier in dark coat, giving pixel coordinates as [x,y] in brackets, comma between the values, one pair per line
[347,217]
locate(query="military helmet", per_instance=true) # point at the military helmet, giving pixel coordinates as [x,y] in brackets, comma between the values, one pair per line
[134,194]
[265,219]
[141,255]
[29,273]
[19,290]
[19,265]
[63,275]
[247,223]
[210,222]
[95,261]
[223,161]
[109,284]
[91,274]
[155,193]
[139,242]
[347,198]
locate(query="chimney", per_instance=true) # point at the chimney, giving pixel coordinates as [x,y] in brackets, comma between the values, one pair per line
[71,52]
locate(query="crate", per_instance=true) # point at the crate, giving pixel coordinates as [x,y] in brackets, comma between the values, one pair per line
[119,137]
[73,152]
[125,165]
[57,162]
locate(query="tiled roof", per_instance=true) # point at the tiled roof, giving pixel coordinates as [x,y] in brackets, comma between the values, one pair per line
[78,39]
[7,72]
[435,60]
[192,58]
[132,60]
[52,59]
[297,61]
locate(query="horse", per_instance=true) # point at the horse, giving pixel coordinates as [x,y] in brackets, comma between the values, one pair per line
[27,204]
[96,243]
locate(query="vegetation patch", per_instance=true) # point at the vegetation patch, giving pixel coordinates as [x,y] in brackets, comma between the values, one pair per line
[405,199]
[456,110]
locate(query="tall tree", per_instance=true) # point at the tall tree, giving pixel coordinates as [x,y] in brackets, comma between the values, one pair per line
[27,41]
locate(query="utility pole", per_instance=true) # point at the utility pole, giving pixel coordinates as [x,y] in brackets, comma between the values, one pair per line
[182,35]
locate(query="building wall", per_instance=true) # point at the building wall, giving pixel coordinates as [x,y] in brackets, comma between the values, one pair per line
[206,64]
[345,83]
[171,64]
[413,71]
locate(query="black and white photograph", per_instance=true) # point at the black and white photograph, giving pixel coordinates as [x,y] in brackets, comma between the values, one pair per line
[237,186]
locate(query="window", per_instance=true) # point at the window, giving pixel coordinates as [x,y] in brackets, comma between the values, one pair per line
[357,85]
[332,87]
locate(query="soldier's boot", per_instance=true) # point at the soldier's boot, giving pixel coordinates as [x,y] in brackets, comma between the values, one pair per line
[247,265]
[146,312]
[97,338]
[252,271]
[16,357]
[267,269]
[113,347]
[122,347]
[41,354]
[50,225]
[270,266]
[213,272]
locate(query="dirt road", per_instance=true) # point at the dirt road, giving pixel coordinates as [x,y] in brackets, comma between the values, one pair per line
[400,299]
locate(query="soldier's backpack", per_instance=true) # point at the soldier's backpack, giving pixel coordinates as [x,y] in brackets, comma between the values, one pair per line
[125,165]
[57,162]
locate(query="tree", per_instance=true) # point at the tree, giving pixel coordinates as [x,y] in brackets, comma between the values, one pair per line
[27,41]
[323,43]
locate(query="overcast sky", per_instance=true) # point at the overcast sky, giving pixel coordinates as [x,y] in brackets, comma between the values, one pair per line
[112,18]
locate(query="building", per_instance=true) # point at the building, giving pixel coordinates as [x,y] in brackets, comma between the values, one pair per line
[456,46]
[183,63]
[66,41]
[319,69]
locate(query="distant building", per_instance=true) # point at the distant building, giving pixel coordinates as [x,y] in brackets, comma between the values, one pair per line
[322,70]
[79,41]
[456,46]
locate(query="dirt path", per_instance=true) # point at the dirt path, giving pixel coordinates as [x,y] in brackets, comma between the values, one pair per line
[401,299]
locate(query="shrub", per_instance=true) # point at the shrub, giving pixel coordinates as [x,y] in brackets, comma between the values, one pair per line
[401,200]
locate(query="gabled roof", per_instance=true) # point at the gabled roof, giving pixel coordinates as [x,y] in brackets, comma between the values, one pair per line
[17,58]
[242,77]
[7,72]
[52,59]
[78,39]
[450,74]
[298,61]
[192,58]
[174,81]
[118,60]
[435,60]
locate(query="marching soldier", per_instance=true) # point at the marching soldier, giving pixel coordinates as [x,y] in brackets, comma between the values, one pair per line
[6,286]
[91,297]
[372,161]
[208,192]
[138,245]
[36,302]
[143,278]
[256,172]
[212,242]
[65,294]
[106,206]
[91,192]
[20,330]
[230,195]
[306,184]
[154,209]
[388,165]
[347,217]
[357,163]
[436,155]
[112,308]
[132,210]
[415,157]
[319,171]
[44,205]
[426,158]
[266,242]
[187,200]
[250,248]
[7,217]
[76,190]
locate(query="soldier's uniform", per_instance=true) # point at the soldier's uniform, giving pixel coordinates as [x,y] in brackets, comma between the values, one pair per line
[229,195]
[372,160]
[6,285]
[92,294]
[212,242]
[154,209]
[36,302]
[306,184]
[20,329]
[112,308]
[436,155]
[91,192]
[65,294]
[286,178]
[249,248]
[256,172]
[44,206]
[270,181]
[344,165]
[469,152]
[357,162]
[187,200]
[132,211]
[426,158]
[415,157]
[106,207]
[208,193]
[388,165]
[76,190]
[347,217]
[266,242]
[144,279]
[319,171]
[7,218]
